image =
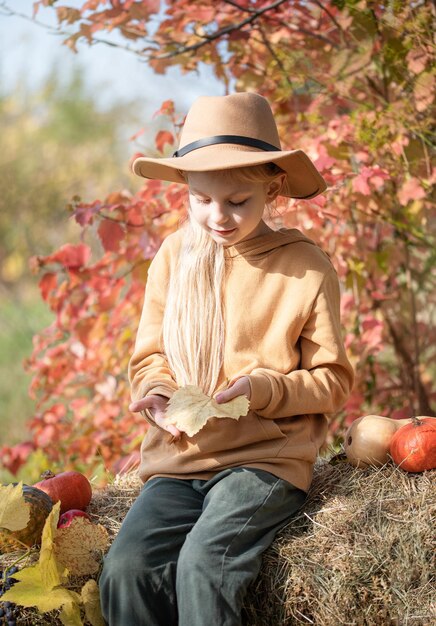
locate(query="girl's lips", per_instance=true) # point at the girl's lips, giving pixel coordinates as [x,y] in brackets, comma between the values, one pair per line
[224,232]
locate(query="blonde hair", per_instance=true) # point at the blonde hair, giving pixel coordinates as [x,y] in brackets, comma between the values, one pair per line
[193,324]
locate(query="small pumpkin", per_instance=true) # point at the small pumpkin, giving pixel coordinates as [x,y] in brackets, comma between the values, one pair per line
[413,447]
[72,488]
[367,440]
[40,507]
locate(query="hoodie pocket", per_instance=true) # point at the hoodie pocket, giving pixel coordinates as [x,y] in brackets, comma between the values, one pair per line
[271,428]
[250,430]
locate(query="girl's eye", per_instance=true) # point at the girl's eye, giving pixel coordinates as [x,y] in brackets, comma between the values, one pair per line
[207,201]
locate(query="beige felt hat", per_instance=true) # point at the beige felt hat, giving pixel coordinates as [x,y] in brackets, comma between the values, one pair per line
[225,132]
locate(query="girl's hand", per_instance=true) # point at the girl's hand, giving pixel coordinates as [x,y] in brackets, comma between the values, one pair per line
[157,405]
[239,388]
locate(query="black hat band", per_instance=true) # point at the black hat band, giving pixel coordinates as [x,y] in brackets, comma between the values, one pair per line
[236,139]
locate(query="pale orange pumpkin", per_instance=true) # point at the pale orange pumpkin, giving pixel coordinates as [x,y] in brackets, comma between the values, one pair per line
[368,439]
[413,447]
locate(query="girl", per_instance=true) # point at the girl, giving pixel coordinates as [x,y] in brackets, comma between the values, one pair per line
[234,305]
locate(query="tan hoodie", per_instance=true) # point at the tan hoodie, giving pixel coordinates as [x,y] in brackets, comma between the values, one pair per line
[282,331]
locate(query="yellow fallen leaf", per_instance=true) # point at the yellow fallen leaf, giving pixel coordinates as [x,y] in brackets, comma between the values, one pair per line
[41,585]
[52,572]
[189,409]
[70,614]
[91,601]
[14,510]
[79,547]
[30,590]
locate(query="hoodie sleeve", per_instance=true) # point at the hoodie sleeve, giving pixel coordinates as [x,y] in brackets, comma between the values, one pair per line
[148,369]
[325,378]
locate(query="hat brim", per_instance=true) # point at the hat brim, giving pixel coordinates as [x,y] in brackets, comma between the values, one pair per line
[303,179]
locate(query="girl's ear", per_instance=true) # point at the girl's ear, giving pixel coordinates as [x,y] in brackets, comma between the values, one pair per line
[275,186]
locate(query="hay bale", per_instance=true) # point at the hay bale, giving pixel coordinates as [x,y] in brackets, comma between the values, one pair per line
[360,552]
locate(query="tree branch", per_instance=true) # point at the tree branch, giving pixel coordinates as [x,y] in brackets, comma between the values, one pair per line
[238,6]
[58,31]
[412,370]
[219,33]
[332,17]
[274,55]
[382,55]
[309,33]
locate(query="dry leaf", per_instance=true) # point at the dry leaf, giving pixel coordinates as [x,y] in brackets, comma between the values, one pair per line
[91,601]
[52,572]
[189,409]
[30,590]
[14,510]
[70,614]
[40,585]
[79,546]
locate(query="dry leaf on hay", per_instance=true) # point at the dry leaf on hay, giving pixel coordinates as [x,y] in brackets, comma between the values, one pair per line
[40,585]
[14,510]
[79,546]
[189,409]
[30,590]
[91,601]
[52,572]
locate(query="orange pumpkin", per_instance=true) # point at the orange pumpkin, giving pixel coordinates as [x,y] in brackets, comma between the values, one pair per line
[73,489]
[413,447]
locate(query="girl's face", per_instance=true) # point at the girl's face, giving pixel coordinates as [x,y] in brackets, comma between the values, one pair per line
[228,210]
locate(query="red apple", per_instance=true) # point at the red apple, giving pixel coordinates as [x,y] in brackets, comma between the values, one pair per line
[67,517]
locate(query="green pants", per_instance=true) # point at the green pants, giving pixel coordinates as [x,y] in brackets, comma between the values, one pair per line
[188,549]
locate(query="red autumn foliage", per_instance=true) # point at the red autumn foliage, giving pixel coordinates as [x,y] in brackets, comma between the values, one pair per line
[350,84]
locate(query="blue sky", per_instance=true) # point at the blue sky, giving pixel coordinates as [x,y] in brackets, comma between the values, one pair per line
[28,51]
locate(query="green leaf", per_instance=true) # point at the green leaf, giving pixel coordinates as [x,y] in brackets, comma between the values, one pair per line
[14,510]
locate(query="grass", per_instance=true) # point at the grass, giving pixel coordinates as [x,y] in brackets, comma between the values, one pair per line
[22,315]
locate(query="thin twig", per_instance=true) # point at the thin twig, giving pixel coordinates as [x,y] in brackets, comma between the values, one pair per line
[274,56]
[58,31]
[322,525]
[308,33]
[207,39]
[330,15]
[239,7]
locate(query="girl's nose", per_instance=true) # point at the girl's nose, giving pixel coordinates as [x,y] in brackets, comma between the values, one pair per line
[218,213]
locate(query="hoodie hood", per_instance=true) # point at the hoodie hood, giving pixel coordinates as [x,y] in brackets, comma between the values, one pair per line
[263,244]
